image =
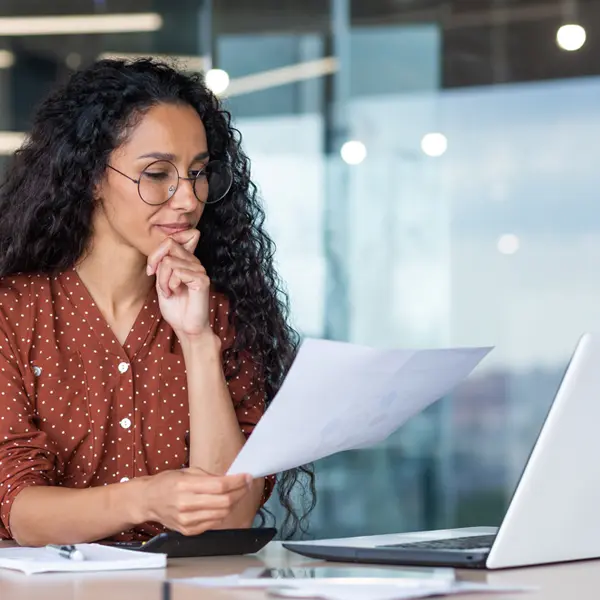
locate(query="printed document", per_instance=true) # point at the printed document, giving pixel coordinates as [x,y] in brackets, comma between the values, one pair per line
[339,396]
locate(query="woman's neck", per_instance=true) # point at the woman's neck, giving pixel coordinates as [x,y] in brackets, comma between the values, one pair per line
[116,278]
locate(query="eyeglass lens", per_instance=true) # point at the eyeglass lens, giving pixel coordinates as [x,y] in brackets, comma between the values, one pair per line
[159,181]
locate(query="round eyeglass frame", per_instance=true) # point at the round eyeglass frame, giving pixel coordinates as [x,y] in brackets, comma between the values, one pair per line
[193,181]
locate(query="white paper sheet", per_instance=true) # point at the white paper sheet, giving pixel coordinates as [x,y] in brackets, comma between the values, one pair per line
[384,592]
[240,581]
[339,396]
[352,592]
[354,589]
[98,557]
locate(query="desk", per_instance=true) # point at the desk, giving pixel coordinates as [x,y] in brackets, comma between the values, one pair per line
[557,582]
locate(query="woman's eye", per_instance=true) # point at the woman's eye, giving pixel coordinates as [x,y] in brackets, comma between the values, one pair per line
[156,176]
[197,173]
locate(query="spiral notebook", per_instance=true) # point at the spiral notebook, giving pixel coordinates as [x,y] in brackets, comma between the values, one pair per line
[97,558]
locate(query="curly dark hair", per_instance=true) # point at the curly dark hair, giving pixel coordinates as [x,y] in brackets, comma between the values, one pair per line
[47,201]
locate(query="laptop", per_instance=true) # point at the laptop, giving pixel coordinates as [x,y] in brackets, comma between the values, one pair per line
[553,515]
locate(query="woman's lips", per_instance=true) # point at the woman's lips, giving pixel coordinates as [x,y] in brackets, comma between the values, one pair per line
[171,229]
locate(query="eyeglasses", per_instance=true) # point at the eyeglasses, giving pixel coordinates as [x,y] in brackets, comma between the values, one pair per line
[159,181]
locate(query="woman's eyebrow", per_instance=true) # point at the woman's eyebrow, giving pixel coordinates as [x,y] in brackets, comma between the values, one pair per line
[172,157]
[159,156]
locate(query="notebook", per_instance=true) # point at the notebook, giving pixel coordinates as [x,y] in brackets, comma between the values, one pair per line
[98,557]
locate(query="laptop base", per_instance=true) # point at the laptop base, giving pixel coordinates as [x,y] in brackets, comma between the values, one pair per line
[393,556]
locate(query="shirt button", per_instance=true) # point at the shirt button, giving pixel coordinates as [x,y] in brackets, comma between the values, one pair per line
[125,423]
[37,371]
[123,367]
[124,479]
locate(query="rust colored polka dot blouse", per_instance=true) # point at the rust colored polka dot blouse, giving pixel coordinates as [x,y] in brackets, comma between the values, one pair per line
[78,409]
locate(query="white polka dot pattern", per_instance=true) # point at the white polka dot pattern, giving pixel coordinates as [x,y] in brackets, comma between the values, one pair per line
[79,409]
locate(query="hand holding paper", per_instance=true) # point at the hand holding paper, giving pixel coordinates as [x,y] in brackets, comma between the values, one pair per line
[339,396]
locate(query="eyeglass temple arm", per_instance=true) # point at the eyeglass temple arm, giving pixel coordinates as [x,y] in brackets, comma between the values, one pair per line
[124,175]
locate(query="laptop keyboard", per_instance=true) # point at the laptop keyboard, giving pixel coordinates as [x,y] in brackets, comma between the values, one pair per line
[482,542]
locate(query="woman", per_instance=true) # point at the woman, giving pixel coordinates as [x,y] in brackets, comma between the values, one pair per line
[142,331]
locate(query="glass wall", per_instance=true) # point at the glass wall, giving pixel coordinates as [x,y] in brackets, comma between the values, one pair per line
[428,173]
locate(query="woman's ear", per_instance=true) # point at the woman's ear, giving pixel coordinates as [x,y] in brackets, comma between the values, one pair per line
[98,189]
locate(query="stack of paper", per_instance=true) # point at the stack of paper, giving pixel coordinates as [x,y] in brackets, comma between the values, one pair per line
[97,558]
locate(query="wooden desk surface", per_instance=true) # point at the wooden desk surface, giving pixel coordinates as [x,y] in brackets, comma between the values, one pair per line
[555,582]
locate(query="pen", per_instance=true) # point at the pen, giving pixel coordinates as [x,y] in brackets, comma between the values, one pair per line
[70,551]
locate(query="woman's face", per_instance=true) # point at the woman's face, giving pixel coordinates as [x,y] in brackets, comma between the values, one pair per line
[168,132]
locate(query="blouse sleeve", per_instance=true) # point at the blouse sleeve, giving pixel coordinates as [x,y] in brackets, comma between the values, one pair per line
[27,456]
[244,379]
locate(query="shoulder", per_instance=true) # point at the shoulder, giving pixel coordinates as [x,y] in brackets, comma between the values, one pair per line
[20,298]
[21,291]
[22,282]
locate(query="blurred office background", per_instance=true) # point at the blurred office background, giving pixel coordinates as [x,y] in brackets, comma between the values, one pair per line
[429,172]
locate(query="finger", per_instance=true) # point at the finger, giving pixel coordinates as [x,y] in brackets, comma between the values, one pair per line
[201,483]
[174,270]
[187,262]
[174,282]
[156,256]
[197,519]
[194,517]
[163,275]
[193,502]
[228,501]
[201,494]
[200,527]
[188,239]
[192,279]
[180,270]
[196,471]
[168,247]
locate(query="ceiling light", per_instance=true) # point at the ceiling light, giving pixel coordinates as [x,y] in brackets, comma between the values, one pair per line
[570,37]
[217,80]
[73,60]
[7,59]
[265,80]
[508,243]
[10,141]
[434,144]
[80,24]
[353,152]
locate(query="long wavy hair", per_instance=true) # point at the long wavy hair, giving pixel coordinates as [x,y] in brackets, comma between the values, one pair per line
[47,201]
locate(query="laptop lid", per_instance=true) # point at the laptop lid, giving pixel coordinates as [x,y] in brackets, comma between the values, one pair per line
[554,514]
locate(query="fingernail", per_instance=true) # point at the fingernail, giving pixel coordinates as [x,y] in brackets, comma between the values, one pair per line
[149,270]
[249,480]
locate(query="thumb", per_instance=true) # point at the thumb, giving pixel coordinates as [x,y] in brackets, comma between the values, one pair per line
[188,239]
